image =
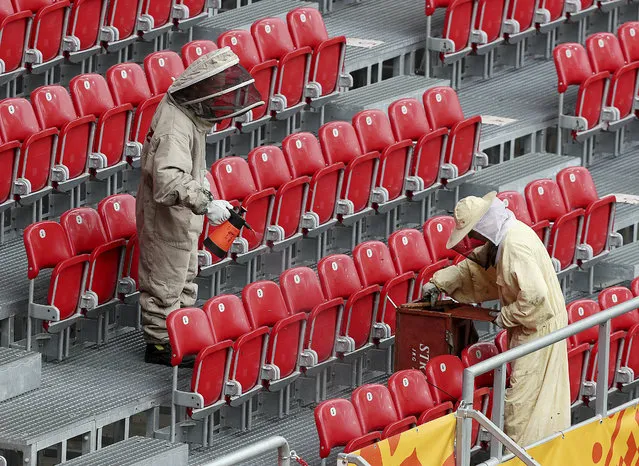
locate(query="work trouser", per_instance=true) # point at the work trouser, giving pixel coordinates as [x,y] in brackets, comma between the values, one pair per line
[166,275]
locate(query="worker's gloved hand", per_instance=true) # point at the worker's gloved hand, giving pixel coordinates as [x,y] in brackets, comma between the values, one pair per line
[218,212]
[430,290]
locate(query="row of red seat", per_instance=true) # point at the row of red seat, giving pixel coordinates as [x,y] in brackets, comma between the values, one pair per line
[39,33]
[606,72]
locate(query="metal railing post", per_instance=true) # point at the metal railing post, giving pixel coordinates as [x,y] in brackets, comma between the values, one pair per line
[255,450]
[465,425]
[603,367]
[499,395]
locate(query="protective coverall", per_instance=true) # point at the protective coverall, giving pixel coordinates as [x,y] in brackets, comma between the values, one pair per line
[522,277]
[174,194]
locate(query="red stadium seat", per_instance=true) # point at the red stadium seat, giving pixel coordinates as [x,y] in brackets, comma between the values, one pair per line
[437,230]
[187,12]
[376,411]
[14,27]
[48,247]
[479,352]
[155,17]
[454,41]
[579,192]
[337,425]
[265,306]
[274,42]
[190,334]
[375,135]
[193,50]
[411,396]
[302,292]
[269,169]
[83,31]
[409,251]
[304,157]
[117,213]
[264,73]
[9,160]
[339,144]
[501,341]
[514,201]
[230,322]
[120,23]
[576,362]
[545,203]
[91,96]
[554,12]
[45,43]
[54,109]
[37,147]
[375,267]
[628,34]
[634,286]
[580,309]
[605,54]
[307,29]
[339,279]
[616,295]
[235,183]
[129,85]
[162,68]
[462,151]
[520,20]
[87,236]
[488,29]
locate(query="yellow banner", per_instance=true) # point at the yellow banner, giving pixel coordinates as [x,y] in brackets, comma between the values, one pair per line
[431,444]
[613,442]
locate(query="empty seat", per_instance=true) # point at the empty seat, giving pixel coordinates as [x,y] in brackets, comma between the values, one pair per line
[476,353]
[187,12]
[613,296]
[462,151]
[230,322]
[47,31]
[552,12]
[520,20]
[576,369]
[162,68]
[304,157]
[337,425]
[87,236]
[514,201]
[579,192]
[307,29]
[270,171]
[129,85]
[155,16]
[437,230]
[235,183]
[302,292]
[605,54]
[628,34]
[37,149]
[501,341]
[634,286]
[274,42]
[8,160]
[376,411]
[339,144]
[91,96]
[117,213]
[47,247]
[488,28]
[546,203]
[120,22]
[193,50]
[14,27]
[339,279]
[411,396]
[264,72]
[375,267]
[190,334]
[375,135]
[54,109]
[84,26]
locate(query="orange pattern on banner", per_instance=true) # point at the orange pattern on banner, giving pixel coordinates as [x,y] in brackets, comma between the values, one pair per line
[431,444]
[613,442]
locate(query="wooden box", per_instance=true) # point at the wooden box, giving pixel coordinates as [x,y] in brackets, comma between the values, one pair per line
[424,332]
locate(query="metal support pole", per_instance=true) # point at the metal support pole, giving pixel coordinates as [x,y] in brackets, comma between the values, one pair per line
[603,361]
[256,450]
[499,393]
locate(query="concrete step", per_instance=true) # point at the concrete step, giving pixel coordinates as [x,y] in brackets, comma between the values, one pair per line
[515,174]
[136,451]
[20,372]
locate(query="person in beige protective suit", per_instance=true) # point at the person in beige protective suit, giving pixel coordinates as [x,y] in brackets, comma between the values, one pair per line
[513,266]
[174,194]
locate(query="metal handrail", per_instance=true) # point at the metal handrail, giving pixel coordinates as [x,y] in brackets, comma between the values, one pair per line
[498,363]
[257,449]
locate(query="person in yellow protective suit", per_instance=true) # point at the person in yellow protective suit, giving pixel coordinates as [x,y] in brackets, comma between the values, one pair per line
[513,266]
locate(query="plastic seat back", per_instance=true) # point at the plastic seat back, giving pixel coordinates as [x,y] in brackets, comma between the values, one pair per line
[458,23]
[128,84]
[123,15]
[501,341]
[523,11]
[634,286]
[578,310]
[374,407]
[338,276]
[410,392]
[85,22]
[13,35]
[489,18]
[227,316]
[264,303]
[476,353]
[514,201]
[408,250]
[303,154]
[337,424]
[544,200]
[195,7]
[159,10]
[117,213]
[437,230]
[8,160]
[307,27]
[242,44]
[408,119]
[189,333]
[616,295]
[445,374]
[628,34]
[442,106]
[301,289]
[47,29]
[272,38]
[573,68]
[162,68]
[373,262]
[193,50]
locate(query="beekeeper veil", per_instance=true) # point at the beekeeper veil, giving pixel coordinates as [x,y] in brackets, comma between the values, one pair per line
[216,87]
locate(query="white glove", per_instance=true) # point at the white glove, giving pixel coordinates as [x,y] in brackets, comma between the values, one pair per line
[218,212]
[430,289]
